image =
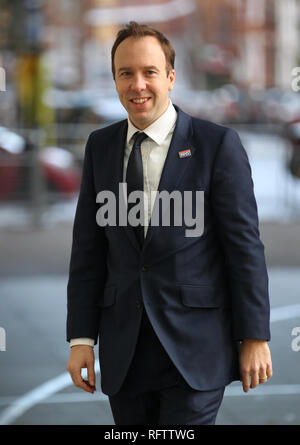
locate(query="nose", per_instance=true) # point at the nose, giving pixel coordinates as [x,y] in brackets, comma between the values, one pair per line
[138,83]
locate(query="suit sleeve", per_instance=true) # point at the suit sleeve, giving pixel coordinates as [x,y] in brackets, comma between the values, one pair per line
[87,270]
[235,212]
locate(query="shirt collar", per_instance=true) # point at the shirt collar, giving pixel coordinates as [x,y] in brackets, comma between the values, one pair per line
[159,129]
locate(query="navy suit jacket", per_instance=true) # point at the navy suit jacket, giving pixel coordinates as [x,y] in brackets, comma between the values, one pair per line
[203,294]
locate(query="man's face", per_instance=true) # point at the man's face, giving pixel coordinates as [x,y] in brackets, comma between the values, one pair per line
[141,79]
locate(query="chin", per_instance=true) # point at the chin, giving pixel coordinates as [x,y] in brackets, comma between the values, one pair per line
[140,120]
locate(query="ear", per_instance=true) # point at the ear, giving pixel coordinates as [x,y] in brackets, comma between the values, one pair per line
[171,77]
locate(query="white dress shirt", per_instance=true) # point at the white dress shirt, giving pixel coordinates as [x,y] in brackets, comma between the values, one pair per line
[154,151]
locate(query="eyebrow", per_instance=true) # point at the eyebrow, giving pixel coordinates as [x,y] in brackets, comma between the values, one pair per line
[127,68]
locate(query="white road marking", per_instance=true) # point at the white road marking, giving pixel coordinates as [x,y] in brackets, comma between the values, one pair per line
[264,390]
[38,394]
[43,392]
[285,312]
[73,397]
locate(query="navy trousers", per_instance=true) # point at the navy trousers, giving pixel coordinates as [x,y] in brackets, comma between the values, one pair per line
[155,393]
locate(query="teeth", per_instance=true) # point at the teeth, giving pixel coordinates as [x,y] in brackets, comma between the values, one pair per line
[139,101]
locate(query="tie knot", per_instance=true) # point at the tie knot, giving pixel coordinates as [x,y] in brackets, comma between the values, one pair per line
[139,137]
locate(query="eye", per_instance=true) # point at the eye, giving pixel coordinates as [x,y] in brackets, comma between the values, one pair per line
[150,72]
[125,73]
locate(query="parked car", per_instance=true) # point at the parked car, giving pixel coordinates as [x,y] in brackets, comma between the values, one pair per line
[57,166]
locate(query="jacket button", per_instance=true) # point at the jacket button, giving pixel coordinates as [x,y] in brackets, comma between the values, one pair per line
[144,268]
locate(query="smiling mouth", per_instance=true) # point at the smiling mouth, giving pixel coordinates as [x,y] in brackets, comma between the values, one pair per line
[140,100]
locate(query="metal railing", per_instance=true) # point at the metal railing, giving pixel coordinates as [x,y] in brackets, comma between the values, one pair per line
[34,192]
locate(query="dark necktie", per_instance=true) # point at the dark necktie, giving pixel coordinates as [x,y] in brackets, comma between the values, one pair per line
[135,178]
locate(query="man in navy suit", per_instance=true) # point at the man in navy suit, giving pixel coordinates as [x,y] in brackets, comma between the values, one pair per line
[179,314]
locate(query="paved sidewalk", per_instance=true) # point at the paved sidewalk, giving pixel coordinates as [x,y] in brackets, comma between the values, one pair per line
[28,251]
[35,388]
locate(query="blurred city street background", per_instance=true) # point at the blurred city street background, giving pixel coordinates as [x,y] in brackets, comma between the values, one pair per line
[237,64]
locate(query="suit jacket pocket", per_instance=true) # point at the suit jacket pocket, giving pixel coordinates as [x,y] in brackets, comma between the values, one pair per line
[109,297]
[202,296]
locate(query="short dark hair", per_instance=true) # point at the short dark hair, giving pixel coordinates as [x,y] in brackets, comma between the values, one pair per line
[136,30]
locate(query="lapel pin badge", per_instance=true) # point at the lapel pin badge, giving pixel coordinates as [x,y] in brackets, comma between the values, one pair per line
[185,153]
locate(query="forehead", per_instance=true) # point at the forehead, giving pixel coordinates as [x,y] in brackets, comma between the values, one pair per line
[142,50]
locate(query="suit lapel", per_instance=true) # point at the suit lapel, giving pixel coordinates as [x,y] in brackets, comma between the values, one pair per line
[174,166]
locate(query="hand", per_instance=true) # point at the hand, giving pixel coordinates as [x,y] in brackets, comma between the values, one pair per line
[255,362]
[82,356]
